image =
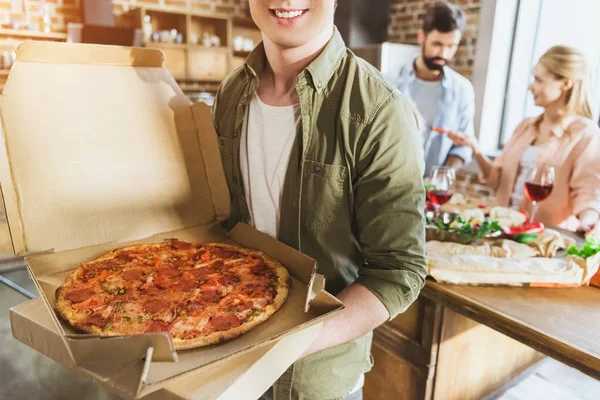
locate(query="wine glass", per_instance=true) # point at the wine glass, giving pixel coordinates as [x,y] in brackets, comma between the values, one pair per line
[440,186]
[538,186]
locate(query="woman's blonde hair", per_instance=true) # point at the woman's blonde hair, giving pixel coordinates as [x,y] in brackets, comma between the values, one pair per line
[568,62]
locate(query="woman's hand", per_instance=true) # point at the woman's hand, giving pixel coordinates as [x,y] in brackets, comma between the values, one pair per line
[460,138]
[589,223]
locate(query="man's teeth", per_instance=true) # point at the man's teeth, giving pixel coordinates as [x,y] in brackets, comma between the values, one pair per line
[288,14]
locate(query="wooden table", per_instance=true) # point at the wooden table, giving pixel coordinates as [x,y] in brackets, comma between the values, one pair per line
[461,342]
[561,323]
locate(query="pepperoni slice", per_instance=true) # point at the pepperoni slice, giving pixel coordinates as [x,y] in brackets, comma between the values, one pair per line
[124,256]
[169,271]
[180,245]
[228,279]
[187,286]
[79,296]
[245,306]
[225,323]
[219,265]
[225,253]
[157,327]
[153,290]
[210,295]
[132,274]
[260,269]
[156,305]
[96,320]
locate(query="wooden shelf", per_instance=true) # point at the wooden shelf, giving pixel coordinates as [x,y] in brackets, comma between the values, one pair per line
[160,45]
[33,35]
[241,53]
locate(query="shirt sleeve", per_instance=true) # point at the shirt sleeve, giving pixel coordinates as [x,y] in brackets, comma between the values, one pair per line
[466,117]
[389,206]
[585,179]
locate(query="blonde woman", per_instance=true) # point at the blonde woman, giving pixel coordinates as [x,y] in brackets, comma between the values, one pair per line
[563,136]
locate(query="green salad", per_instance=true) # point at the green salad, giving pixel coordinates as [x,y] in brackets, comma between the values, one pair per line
[468,232]
[590,248]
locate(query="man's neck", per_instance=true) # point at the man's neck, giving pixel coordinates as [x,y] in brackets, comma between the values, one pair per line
[278,80]
[425,73]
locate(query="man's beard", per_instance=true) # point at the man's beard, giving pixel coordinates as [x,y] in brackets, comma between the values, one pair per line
[432,66]
[430,61]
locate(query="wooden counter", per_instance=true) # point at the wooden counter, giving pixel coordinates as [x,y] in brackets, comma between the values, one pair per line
[561,323]
[464,342]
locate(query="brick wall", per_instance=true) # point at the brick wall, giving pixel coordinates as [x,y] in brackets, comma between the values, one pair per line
[67,11]
[23,11]
[406,19]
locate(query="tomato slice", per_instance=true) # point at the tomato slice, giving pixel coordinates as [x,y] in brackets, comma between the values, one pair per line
[530,227]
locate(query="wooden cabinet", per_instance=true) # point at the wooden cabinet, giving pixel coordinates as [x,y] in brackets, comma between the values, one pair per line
[405,354]
[431,352]
[206,52]
[208,64]
[175,58]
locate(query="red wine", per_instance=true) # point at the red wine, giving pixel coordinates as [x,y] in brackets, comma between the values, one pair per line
[439,197]
[535,192]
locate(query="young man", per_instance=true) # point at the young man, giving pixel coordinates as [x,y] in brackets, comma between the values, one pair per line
[443,98]
[321,153]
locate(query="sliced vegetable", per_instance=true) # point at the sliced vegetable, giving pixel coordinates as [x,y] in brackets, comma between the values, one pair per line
[440,130]
[590,248]
[525,237]
[531,227]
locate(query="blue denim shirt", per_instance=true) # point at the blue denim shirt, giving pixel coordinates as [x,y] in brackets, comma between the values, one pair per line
[455,112]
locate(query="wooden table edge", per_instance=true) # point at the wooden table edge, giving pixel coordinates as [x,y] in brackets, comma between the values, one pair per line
[533,338]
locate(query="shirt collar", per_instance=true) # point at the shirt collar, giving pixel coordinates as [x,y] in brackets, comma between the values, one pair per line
[321,69]
[559,129]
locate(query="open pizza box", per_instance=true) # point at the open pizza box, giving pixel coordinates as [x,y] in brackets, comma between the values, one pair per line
[103,150]
[243,377]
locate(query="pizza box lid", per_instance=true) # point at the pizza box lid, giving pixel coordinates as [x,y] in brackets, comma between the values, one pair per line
[102,149]
[245,377]
[101,145]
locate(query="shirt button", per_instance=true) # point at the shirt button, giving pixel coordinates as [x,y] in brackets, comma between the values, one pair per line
[317,169]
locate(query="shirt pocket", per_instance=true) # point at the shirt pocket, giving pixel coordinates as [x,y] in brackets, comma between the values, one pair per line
[322,189]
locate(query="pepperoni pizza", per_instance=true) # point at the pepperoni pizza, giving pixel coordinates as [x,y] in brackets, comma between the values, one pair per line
[201,294]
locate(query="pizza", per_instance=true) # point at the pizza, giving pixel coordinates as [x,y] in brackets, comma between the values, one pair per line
[201,294]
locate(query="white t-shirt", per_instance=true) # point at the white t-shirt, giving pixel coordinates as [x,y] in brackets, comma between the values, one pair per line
[527,164]
[426,96]
[265,148]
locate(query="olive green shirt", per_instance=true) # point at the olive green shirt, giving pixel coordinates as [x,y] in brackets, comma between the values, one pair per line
[353,196]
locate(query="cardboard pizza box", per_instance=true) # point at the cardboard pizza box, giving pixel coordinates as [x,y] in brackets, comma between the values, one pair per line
[238,378]
[103,150]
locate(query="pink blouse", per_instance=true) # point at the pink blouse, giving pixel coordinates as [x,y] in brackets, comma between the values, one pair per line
[575,155]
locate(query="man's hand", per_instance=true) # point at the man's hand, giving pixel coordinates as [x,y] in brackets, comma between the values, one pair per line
[363,312]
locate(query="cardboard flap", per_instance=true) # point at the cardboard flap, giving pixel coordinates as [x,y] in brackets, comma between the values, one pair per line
[215,176]
[32,324]
[93,150]
[106,354]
